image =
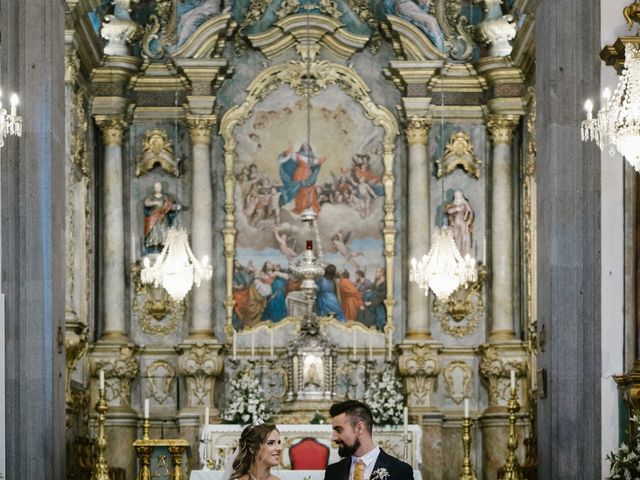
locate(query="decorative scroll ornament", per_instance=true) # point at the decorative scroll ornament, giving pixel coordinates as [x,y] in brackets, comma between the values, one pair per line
[200,364]
[495,368]
[497,30]
[157,150]
[328,7]
[76,343]
[459,152]
[459,314]
[157,313]
[120,372]
[457,377]
[361,8]
[456,28]
[159,386]
[420,366]
[161,30]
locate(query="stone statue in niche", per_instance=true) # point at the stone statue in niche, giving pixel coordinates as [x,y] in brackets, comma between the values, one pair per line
[419,14]
[159,214]
[195,16]
[460,217]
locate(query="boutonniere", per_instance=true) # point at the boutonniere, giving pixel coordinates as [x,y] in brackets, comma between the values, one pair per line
[380,474]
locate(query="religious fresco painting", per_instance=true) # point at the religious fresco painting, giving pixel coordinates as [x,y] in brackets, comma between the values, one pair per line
[338,175]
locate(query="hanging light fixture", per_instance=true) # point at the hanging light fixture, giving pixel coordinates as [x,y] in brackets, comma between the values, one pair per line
[176,268]
[10,123]
[617,124]
[443,269]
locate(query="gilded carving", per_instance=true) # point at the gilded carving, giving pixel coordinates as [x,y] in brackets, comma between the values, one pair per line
[157,313]
[112,128]
[457,377]
[119,373]
[76,344]
[159,386]
[417,130]
[459,314]
[501,128]
[71,67]
[459,152]
[495,368]
[361,8]
[79,148]
[200,365]
[420,367]
[322,74]
[157,150]
[200,128]
[254,13]
[328,7]
[162,28]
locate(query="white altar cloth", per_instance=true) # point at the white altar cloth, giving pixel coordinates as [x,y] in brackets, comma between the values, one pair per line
[282,474]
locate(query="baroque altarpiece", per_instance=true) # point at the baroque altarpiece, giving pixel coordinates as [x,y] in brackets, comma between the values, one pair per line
[231,119]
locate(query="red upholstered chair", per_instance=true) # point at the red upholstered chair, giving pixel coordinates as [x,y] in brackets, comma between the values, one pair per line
[309,454]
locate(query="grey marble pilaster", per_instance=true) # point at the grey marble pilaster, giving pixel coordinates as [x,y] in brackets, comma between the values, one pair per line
[417,132]
[201,221]
[568,241]
[33,271]
[501,128]
[112,128]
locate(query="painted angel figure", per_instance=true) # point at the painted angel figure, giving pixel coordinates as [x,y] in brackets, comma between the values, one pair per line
[339,242]
[192,19]
[418,14]
[283,245]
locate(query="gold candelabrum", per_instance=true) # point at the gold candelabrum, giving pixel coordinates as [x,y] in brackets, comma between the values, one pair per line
[512,469]
[467,467]
[101,469]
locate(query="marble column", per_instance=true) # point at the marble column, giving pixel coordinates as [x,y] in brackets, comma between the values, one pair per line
[112,128]
[418,226]
[501,128]
[201,221]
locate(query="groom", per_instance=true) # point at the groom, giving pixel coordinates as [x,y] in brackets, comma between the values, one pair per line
[352,424]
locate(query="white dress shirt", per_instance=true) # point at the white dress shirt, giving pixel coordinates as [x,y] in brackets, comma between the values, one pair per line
[369,460]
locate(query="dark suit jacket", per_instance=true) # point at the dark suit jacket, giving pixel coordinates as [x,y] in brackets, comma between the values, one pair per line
[397,469]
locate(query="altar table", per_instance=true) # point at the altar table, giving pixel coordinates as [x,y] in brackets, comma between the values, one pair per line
[282,474]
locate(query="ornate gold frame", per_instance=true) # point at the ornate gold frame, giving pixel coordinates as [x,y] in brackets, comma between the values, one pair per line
[323,74]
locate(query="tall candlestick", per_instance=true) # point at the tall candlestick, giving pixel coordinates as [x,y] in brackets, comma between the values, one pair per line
[253,345]
[513,380]
[466,408]
[271,343]
[146,408]
[370,347]
[235,345]
[405,419]
[355,348]
[102,380]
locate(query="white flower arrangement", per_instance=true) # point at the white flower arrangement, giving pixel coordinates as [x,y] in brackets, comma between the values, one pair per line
[625,463]
[245,403]
[384,397]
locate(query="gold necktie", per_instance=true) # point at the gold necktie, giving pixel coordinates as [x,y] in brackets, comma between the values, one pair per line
[357,472]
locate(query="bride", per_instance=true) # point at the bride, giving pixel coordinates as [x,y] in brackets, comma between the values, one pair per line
[258,452]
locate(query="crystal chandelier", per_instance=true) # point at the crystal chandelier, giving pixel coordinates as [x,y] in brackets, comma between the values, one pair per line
[617,124]
[176,268]
[10,123]
[443,269]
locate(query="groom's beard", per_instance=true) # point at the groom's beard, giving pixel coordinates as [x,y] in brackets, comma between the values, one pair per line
[345,450]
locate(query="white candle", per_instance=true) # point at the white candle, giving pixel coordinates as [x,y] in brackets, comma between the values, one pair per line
[14,104]
[390,345]
[271,343]
[206,421]
[235,346]
[102,380]
[513,380]
[253,345]
[370,347]
[146,408]
[355,348]
[405,418]
[466,408]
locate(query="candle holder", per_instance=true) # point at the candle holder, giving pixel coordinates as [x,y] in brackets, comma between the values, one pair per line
[101,469]
[467,467]
[146,424]
[512,469]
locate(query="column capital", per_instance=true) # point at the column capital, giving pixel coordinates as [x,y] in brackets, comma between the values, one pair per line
[200,128]
[112,128]
[417,130]
[502,127]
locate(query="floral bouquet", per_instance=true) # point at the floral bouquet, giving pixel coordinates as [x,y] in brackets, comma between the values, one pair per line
[625,463]
[245,401]
[385,399]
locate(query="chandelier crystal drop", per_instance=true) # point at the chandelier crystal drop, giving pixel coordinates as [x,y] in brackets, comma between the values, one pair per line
[443,269]
[176,268]
[617,124]
[10,122]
